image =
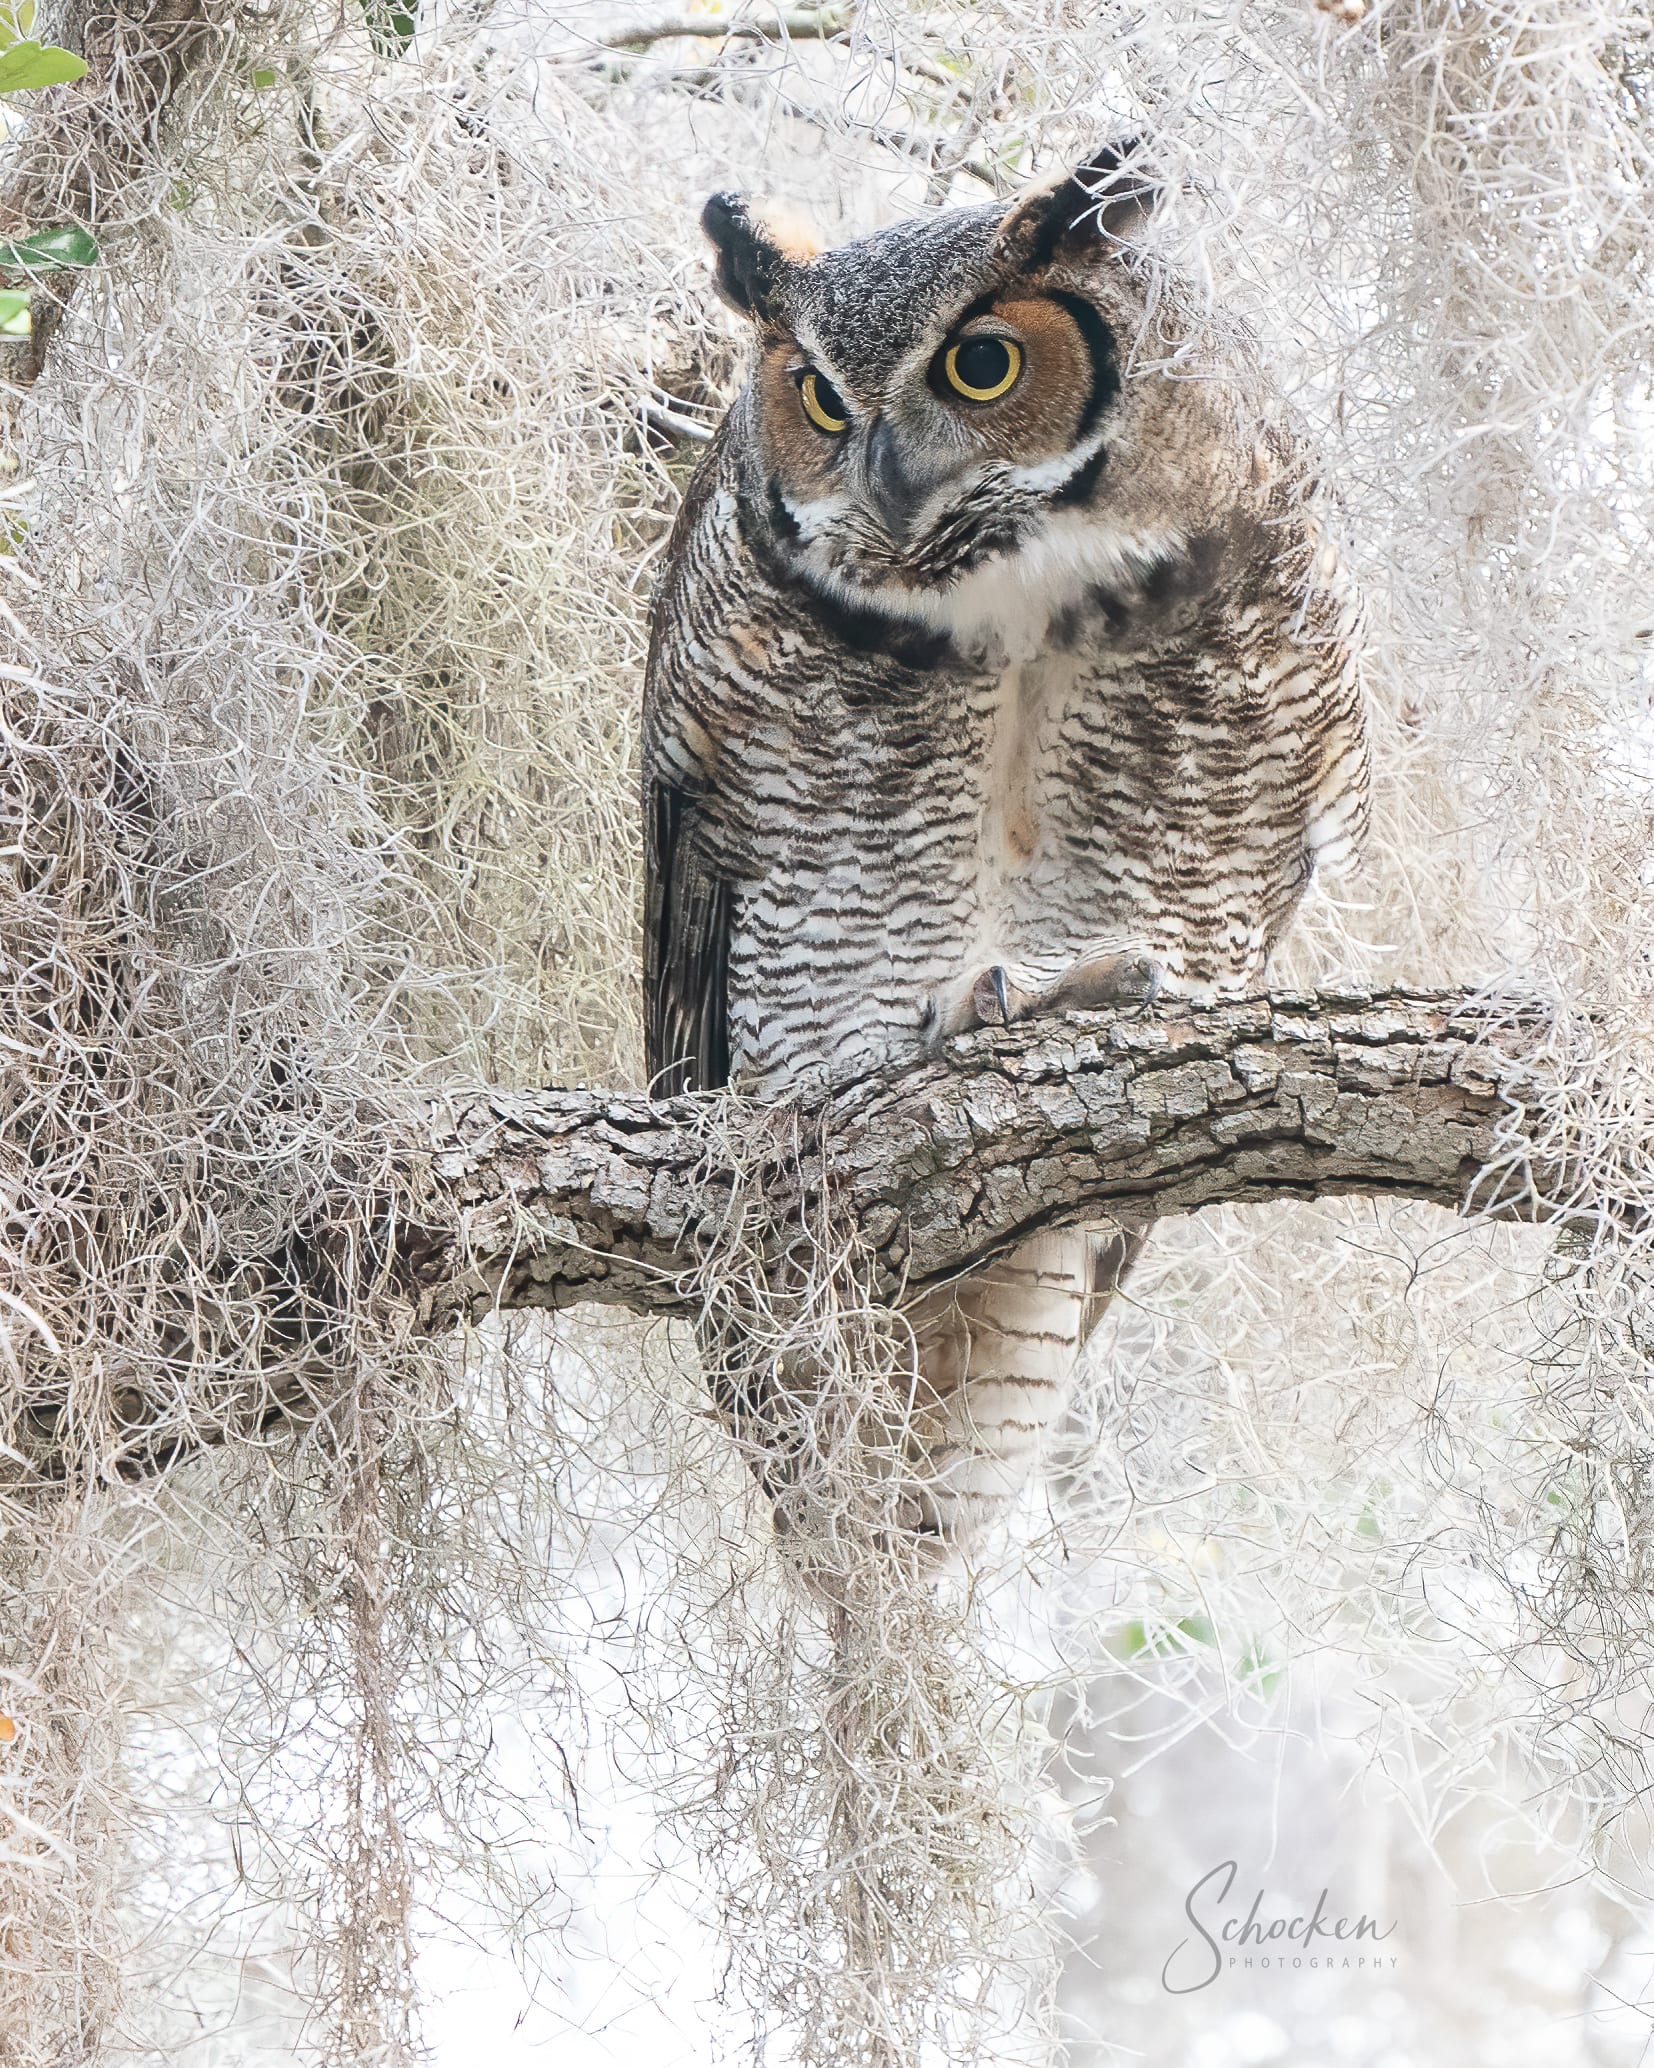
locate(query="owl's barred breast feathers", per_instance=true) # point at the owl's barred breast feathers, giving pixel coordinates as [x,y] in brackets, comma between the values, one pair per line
[999,655]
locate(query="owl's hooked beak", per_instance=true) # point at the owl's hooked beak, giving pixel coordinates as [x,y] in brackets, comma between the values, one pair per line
[896,490]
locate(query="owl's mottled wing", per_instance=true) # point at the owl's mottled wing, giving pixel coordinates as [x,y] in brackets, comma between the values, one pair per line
[686,949]
[689,903]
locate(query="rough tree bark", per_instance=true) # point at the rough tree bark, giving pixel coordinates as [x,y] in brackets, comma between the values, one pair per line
[565,1196]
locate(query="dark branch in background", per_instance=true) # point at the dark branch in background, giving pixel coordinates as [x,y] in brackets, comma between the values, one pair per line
[617,57]
[675,425]
[792,26]
[565,1196]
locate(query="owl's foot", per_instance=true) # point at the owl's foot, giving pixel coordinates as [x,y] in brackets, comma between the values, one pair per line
[1106,980]
[996,1000]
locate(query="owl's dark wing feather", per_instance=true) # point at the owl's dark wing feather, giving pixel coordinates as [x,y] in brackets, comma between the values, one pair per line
[686,950]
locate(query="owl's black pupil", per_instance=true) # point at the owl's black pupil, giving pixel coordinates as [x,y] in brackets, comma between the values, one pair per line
[982,362]
[828,397]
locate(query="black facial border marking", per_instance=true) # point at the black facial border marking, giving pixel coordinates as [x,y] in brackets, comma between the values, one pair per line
[786,524]
[860,627]
[1076,490]
[1103,354]
[1103,351]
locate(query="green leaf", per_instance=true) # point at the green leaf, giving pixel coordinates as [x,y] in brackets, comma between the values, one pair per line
[16,20]
[264,78]
[1261,1670]
[29,64]
[1131,1640]
[391,25]
[14,314]
[1135,1641]
[48,251]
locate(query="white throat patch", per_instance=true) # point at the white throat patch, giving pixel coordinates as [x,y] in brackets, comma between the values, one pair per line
[1010,600]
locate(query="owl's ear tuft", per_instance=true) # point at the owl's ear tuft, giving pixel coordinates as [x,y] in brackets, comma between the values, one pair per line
[754,245]
[1106,199]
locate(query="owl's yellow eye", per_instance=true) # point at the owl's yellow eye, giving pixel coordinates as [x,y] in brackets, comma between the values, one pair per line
[982,368]
[823,404]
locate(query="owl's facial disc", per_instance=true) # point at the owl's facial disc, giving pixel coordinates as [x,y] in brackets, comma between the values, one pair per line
[959,456]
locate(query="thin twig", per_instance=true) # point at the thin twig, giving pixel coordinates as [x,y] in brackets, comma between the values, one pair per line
[819,25]
[675,426]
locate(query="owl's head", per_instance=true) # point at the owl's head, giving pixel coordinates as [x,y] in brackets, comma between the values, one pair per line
[967,421]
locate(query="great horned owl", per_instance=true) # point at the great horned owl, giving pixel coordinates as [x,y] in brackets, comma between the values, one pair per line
[999,665]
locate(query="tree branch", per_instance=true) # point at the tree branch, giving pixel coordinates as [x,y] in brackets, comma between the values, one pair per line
[551,1198]
[565,1196]
[790,25]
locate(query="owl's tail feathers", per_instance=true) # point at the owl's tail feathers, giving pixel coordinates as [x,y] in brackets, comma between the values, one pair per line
[1113,1253]
[998,1353]
[914,1443]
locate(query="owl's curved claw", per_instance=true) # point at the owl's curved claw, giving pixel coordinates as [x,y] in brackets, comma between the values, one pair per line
[994,1000]
[989,999]
[1105,980]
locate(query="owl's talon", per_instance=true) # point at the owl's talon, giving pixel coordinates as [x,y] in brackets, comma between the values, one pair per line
[994,1001]
[992,998]
[1107,980]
